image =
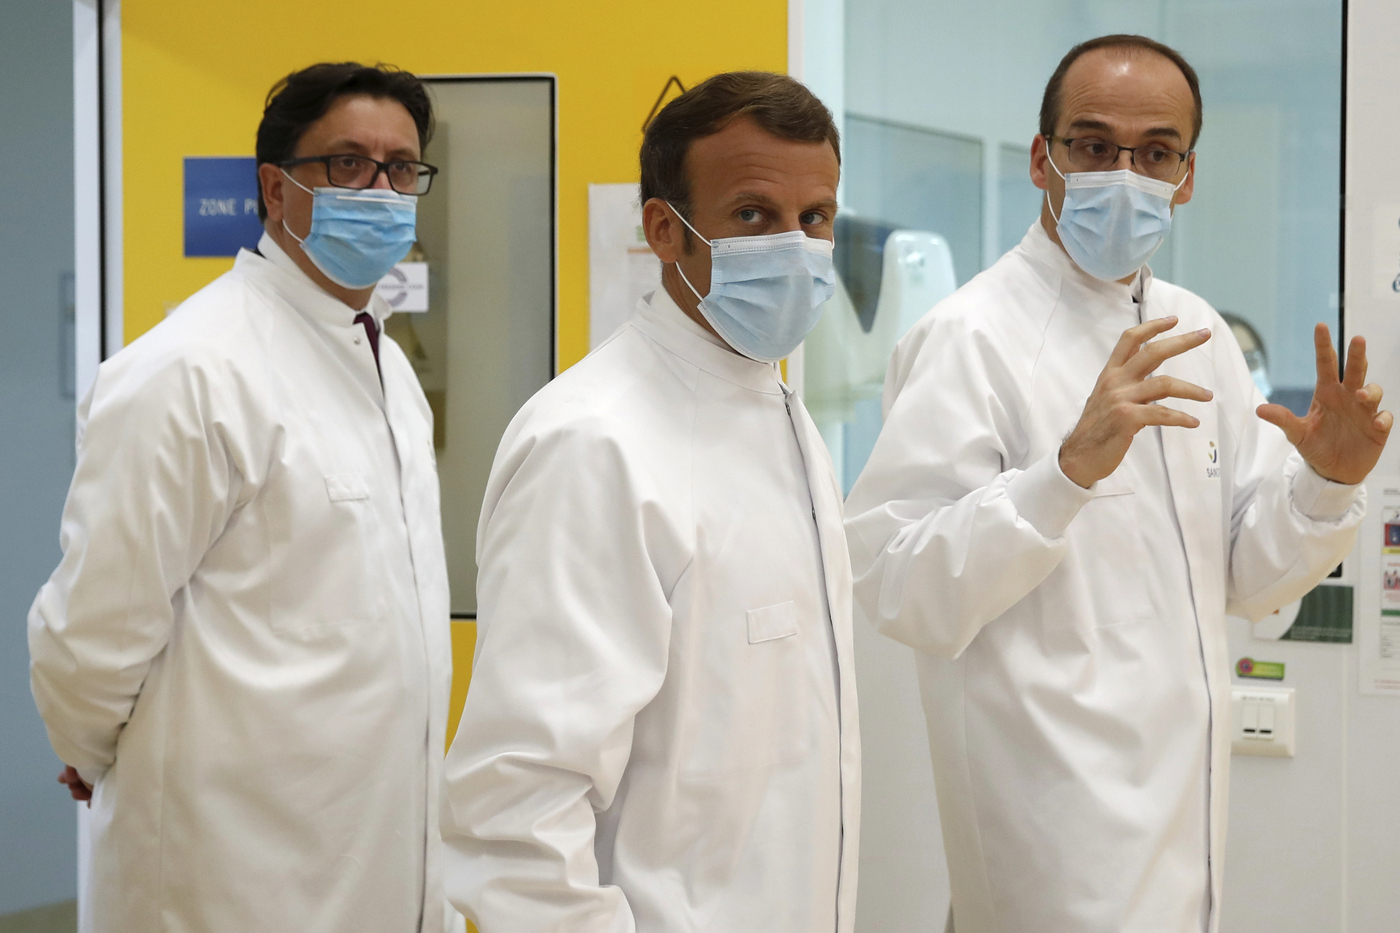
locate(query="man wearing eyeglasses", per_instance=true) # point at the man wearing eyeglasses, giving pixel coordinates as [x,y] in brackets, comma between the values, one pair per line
[1062,550]
[243,657]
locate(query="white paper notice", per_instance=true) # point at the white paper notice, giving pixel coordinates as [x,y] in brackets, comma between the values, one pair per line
[406,287]
[1379,635]
[621,267]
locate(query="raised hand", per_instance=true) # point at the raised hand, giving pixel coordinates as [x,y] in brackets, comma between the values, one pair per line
[1122,402]
[1343,433]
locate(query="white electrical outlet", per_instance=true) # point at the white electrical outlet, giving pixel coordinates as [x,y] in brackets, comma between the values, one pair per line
[1263,721]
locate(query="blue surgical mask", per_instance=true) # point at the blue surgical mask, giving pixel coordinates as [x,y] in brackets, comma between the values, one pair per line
[1112,222]
[357,236]
[766,292]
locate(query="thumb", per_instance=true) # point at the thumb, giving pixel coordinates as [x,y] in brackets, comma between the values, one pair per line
[1283,419]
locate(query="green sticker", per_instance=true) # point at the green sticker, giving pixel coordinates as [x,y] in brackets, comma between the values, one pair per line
[1261,670]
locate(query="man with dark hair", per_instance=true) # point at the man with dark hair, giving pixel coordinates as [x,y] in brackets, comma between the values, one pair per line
[1064,567]
[244,655]
[661,733]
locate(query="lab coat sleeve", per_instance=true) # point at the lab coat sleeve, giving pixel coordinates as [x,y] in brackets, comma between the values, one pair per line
[944,535]
[1288,527]
[574,635]
[155,484]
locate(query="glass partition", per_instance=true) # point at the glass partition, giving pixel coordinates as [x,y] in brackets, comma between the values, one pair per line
[942,103]
[486,342]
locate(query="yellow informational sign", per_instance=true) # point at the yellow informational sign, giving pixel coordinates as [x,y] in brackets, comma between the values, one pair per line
[195,75]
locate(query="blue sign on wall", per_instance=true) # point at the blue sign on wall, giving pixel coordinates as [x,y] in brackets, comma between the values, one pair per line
[221,205]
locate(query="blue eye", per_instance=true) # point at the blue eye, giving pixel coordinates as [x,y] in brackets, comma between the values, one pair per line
[748,215]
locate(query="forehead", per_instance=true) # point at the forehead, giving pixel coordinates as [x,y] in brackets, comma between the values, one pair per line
[745,157]
[359,122]
[1131,91]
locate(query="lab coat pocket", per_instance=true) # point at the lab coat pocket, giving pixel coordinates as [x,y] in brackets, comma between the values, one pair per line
[772,622]
[343,487]
[335,584]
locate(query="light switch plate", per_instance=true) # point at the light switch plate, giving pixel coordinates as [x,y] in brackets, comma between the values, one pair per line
[1263,720]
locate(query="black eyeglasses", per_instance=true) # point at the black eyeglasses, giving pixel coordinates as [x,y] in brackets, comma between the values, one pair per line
[357,171]
[1096,155]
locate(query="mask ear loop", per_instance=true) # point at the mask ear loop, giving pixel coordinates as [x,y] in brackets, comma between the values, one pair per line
[1051,160]
[679,270]
[300,241]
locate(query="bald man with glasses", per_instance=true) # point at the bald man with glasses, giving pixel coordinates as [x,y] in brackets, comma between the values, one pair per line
[1077,479]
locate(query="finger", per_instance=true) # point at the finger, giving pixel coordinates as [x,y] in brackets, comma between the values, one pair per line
[1167,417]
[1355,373]
[1326,356]
[1159,351]
[1284,420]
[1369,396]
[1134,337]
[1160,387]
[1383,423]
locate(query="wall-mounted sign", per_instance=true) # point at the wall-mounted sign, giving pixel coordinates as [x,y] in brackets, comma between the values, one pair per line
[405,288]
[221,205]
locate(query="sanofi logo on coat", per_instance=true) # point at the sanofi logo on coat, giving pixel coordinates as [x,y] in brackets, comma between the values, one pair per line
[1213,455]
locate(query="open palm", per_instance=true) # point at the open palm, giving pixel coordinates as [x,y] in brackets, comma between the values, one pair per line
[1343,433]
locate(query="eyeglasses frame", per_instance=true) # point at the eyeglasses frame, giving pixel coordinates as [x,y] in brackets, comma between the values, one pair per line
[380,168]
[1131,150]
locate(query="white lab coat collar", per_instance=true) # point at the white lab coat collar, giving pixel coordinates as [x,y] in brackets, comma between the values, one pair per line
[661,319]
[301,292]
[1049,254]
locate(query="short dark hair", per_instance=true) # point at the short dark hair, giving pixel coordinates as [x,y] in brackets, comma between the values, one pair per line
[303,97]
[1050,103]
[779,104]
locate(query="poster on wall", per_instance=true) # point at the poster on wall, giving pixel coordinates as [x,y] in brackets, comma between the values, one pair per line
[621,267]
[1379,635]
[221,205]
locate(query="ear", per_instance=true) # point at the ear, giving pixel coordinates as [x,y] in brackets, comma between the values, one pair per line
[663,231]
[1040,155]
[270,180]
[1188,187]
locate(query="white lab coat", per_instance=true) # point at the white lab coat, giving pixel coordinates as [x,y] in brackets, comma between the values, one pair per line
[246,648]
[661,733]
[1072,650]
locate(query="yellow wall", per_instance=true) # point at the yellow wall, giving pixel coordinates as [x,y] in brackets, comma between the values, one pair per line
[195,73]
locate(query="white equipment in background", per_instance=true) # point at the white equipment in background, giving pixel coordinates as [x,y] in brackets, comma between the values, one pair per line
[847,353]
[896,276]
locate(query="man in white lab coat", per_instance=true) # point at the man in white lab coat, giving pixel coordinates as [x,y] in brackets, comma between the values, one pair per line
[1062,550]
[661,730]
[244,655]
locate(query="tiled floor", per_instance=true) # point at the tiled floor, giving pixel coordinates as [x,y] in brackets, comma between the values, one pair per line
[54,918]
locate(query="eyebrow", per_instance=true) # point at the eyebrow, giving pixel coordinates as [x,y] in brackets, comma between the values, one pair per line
[766,201]
[1100,126]
[351,147]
